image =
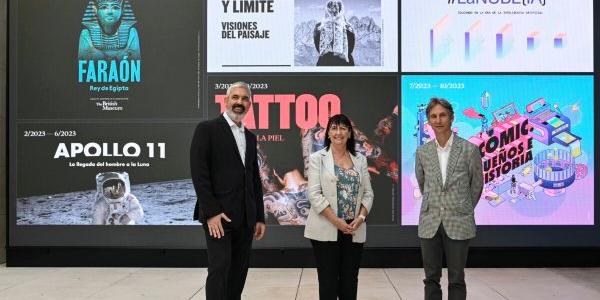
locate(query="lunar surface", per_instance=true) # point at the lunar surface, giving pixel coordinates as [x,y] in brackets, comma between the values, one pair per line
[164,203]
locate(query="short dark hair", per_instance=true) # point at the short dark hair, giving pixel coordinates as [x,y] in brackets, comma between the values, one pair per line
[341,119]
[439,101]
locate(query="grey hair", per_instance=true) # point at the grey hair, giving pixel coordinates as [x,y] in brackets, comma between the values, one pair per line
[238,85]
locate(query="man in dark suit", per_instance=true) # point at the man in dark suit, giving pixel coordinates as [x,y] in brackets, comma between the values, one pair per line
[229,193]
[450,177]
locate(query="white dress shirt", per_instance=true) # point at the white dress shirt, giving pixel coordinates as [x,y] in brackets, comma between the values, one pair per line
[443,155]
[240,137]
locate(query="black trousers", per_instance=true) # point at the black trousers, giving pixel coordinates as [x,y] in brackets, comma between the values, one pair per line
[456,252]
[337,267]
[228,259]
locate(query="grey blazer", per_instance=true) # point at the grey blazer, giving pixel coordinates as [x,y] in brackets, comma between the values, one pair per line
[322,192]
[452,204]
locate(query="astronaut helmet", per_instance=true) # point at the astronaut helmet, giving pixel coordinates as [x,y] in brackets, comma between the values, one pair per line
[114,187]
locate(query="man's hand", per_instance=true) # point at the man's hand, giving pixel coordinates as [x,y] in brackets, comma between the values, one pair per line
[259,230]
[215,227]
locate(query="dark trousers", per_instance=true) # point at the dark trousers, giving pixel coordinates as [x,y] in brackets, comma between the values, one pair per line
[456,251]
[337,267]
[228,263]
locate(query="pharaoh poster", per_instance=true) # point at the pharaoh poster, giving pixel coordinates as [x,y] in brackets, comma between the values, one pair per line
[108,59]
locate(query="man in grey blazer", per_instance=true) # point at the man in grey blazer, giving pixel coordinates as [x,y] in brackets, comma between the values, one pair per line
[450,177]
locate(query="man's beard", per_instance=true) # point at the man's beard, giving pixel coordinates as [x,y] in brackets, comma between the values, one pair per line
[236,117]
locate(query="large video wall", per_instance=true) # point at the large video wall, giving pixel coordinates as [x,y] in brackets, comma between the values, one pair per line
[107,93]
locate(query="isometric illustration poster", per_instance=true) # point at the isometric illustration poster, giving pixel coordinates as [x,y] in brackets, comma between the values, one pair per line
[535,135]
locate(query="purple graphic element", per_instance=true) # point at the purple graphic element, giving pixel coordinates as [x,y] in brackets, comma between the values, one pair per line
[558,42]
[431,45]
[467,47]
[468,39]
[530,43]
[498,44]
[502,38]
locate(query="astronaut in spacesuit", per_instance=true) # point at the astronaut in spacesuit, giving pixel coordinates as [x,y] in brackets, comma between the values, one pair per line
[115,205]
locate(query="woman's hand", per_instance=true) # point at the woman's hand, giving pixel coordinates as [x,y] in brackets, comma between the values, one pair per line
[356,223]
[339,223]
[360,218]
[343,226]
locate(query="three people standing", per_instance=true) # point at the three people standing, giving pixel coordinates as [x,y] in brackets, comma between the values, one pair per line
[230,201]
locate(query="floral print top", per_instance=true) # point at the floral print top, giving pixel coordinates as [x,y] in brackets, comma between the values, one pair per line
[347,191]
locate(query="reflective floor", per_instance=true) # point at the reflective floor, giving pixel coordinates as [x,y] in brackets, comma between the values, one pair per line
[161,283]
